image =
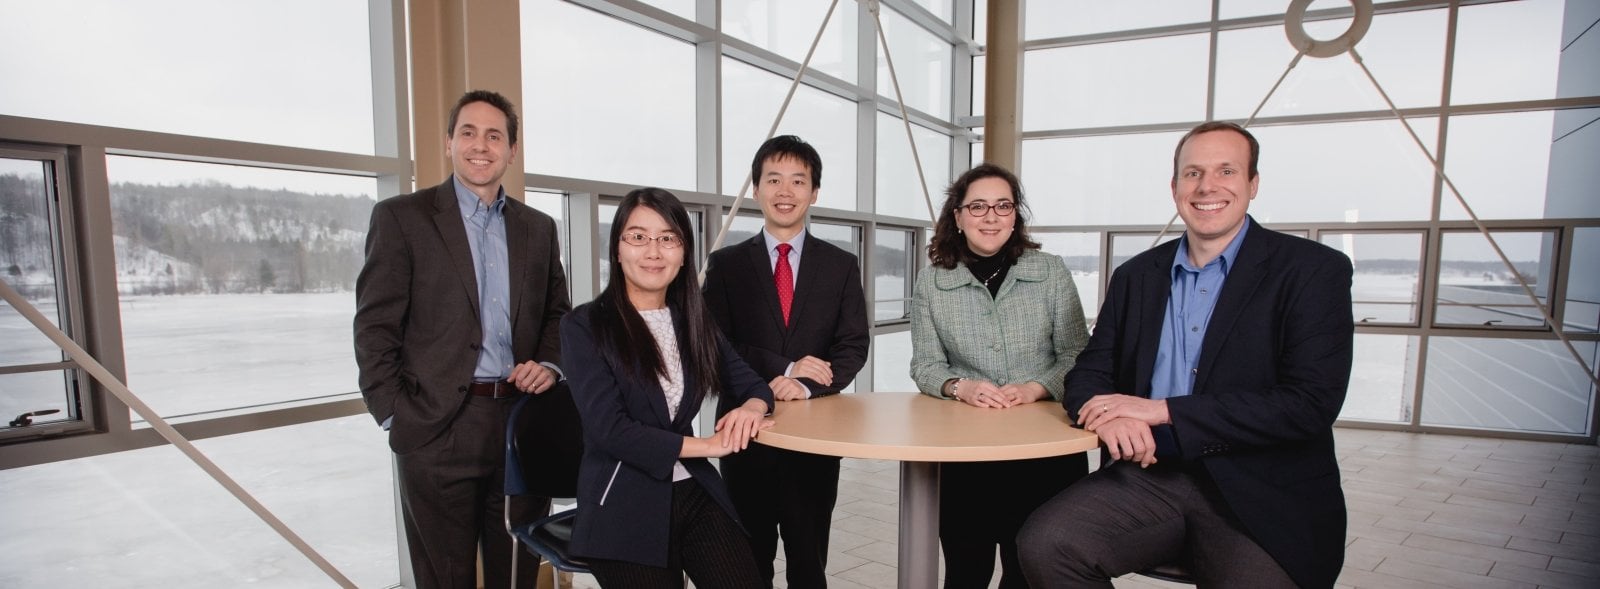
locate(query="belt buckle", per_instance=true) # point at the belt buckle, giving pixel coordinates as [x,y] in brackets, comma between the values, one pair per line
[502,389]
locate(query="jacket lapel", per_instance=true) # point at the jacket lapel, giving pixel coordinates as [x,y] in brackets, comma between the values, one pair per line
[1237,289]
[756,256]
[516,254]
[452,230]
[804,282]
[1154,289]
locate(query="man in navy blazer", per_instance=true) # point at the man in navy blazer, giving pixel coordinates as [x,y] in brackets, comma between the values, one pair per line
[1214,375]
[812,348]
[457,307]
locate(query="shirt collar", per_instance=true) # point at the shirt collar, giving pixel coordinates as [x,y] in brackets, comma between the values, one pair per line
[772,241]
[1226,258]
[468,200]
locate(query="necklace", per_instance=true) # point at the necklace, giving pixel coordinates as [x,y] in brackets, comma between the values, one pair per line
[992,275]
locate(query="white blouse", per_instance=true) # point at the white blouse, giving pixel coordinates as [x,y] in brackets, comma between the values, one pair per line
[660,323]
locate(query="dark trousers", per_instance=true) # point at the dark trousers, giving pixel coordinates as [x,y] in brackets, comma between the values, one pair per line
[452,501]
[983,504]
[705,543]
[1124,519]
[790,493]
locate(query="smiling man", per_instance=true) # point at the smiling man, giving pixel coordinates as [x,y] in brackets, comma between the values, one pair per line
[1214,375]
[793,307]
[457,310]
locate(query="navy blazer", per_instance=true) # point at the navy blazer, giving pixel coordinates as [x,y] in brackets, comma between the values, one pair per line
[1273,370]
[630,445]
[828,319]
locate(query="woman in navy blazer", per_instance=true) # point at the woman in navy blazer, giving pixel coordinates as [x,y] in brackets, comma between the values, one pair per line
[640,358]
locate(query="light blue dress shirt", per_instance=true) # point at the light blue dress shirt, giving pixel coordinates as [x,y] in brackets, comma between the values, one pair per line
[486,234]
[1194,296]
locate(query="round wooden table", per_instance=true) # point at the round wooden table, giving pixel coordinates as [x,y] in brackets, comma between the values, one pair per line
[920,432]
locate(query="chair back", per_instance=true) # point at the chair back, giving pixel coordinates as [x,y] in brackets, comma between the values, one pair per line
[544,443]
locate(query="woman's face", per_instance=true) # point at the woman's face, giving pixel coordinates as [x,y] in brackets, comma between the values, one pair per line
[650,254]
[987,234]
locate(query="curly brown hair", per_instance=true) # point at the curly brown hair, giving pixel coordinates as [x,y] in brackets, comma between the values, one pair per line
[949,247]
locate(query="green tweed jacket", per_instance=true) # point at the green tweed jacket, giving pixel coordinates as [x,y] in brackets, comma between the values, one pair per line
[1031,331]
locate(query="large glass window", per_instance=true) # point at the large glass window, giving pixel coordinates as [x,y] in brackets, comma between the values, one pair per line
[1102,180]
[1386,286]
[892,271]
[1383,377]
[236,284]
[787,29]
[1081,253]
[1508,384]
[1510,51]
[1122,83]
[1062,18]
[899,189]
[1476,288]
[194,67]
[1303,179]
[1582,312]
[922,63]
[1515,165]
[624,113]
[891,363]
[750,100]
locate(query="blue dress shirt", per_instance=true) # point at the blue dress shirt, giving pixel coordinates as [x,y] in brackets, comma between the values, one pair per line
[486,234]
[1188,313]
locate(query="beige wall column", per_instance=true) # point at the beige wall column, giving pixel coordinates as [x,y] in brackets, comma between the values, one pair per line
[1002,117]
[456,46]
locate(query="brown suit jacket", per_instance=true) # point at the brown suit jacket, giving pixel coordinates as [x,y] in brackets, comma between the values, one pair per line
[417,331]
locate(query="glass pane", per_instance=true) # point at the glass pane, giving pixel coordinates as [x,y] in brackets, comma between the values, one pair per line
[1125,246]
[750,100]
[980,73]
[151,518]
[944,9]
[1508,384]
[631,83]
[44,394]
[1512,51]
[1081,253]
[891,276]
[1383,378]
[1123,83]
[1061,18]
[899,191]
[1405,52]
[555,205]
[193,67]
[891,363]
[1475,288]
[1102,180]
[847,237]
[1385,289]
[1583,283]
[922,62]
[1344,172]
[787,29]
[1524,165]
[28,260]
[236,275]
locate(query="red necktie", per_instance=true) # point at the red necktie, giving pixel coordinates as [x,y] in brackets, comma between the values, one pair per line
[783,276]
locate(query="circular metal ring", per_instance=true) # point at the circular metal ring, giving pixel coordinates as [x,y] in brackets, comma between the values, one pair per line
[1294,28]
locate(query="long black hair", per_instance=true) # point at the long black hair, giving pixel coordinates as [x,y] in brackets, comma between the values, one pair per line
[620,332]
[948,246]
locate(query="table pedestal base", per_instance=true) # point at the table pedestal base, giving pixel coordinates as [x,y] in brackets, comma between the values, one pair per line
[919,525]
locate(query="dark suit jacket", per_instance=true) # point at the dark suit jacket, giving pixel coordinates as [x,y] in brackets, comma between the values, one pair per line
[828,317]
[417,330]
[630,445]
[1272,374]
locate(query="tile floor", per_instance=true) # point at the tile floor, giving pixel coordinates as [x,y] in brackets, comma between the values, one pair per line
[1426,511]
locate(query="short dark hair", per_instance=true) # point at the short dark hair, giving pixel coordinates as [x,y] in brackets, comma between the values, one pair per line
[494,99]
[785,146]
[1207,127]
[948,246]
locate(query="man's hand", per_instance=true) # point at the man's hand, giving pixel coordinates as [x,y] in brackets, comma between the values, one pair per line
[1102,409]
[1128,439]
[532,377]
[813,368]
[788,389]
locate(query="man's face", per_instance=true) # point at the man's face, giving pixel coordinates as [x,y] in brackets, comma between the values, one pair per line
[480,148]
[1213,189]
[785,193]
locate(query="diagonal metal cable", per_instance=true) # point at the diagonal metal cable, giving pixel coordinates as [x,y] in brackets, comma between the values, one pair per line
[733,211]
[900,101]
[1439,169]
[1252,119]
[120,390]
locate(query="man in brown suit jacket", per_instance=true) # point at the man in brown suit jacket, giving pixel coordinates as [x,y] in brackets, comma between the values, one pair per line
[457,310]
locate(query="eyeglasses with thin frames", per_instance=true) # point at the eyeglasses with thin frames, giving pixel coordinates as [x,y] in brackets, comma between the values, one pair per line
[978,209]
[665,240]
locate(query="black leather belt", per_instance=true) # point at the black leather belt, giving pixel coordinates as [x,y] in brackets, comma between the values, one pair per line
[498,389]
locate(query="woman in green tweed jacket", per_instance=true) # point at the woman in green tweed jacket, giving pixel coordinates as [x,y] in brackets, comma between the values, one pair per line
[995,323]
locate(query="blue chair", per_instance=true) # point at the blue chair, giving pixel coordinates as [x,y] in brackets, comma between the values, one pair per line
[547,427]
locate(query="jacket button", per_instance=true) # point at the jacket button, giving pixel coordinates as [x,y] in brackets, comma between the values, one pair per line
[462,389]
[474,346]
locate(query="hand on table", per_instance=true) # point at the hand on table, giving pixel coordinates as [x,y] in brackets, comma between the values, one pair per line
[1102,409]
[816,369]
[788,389]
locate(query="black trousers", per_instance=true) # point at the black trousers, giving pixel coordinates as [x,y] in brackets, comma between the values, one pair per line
[1124,519]
[782,492]
[705,543]
[452,501]
[983,504]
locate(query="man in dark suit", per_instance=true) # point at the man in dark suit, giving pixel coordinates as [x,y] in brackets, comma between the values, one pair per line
[457,311]
[793,307]
[1214,375]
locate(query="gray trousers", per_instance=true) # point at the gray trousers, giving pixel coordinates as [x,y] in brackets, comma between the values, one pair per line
[1124,519]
